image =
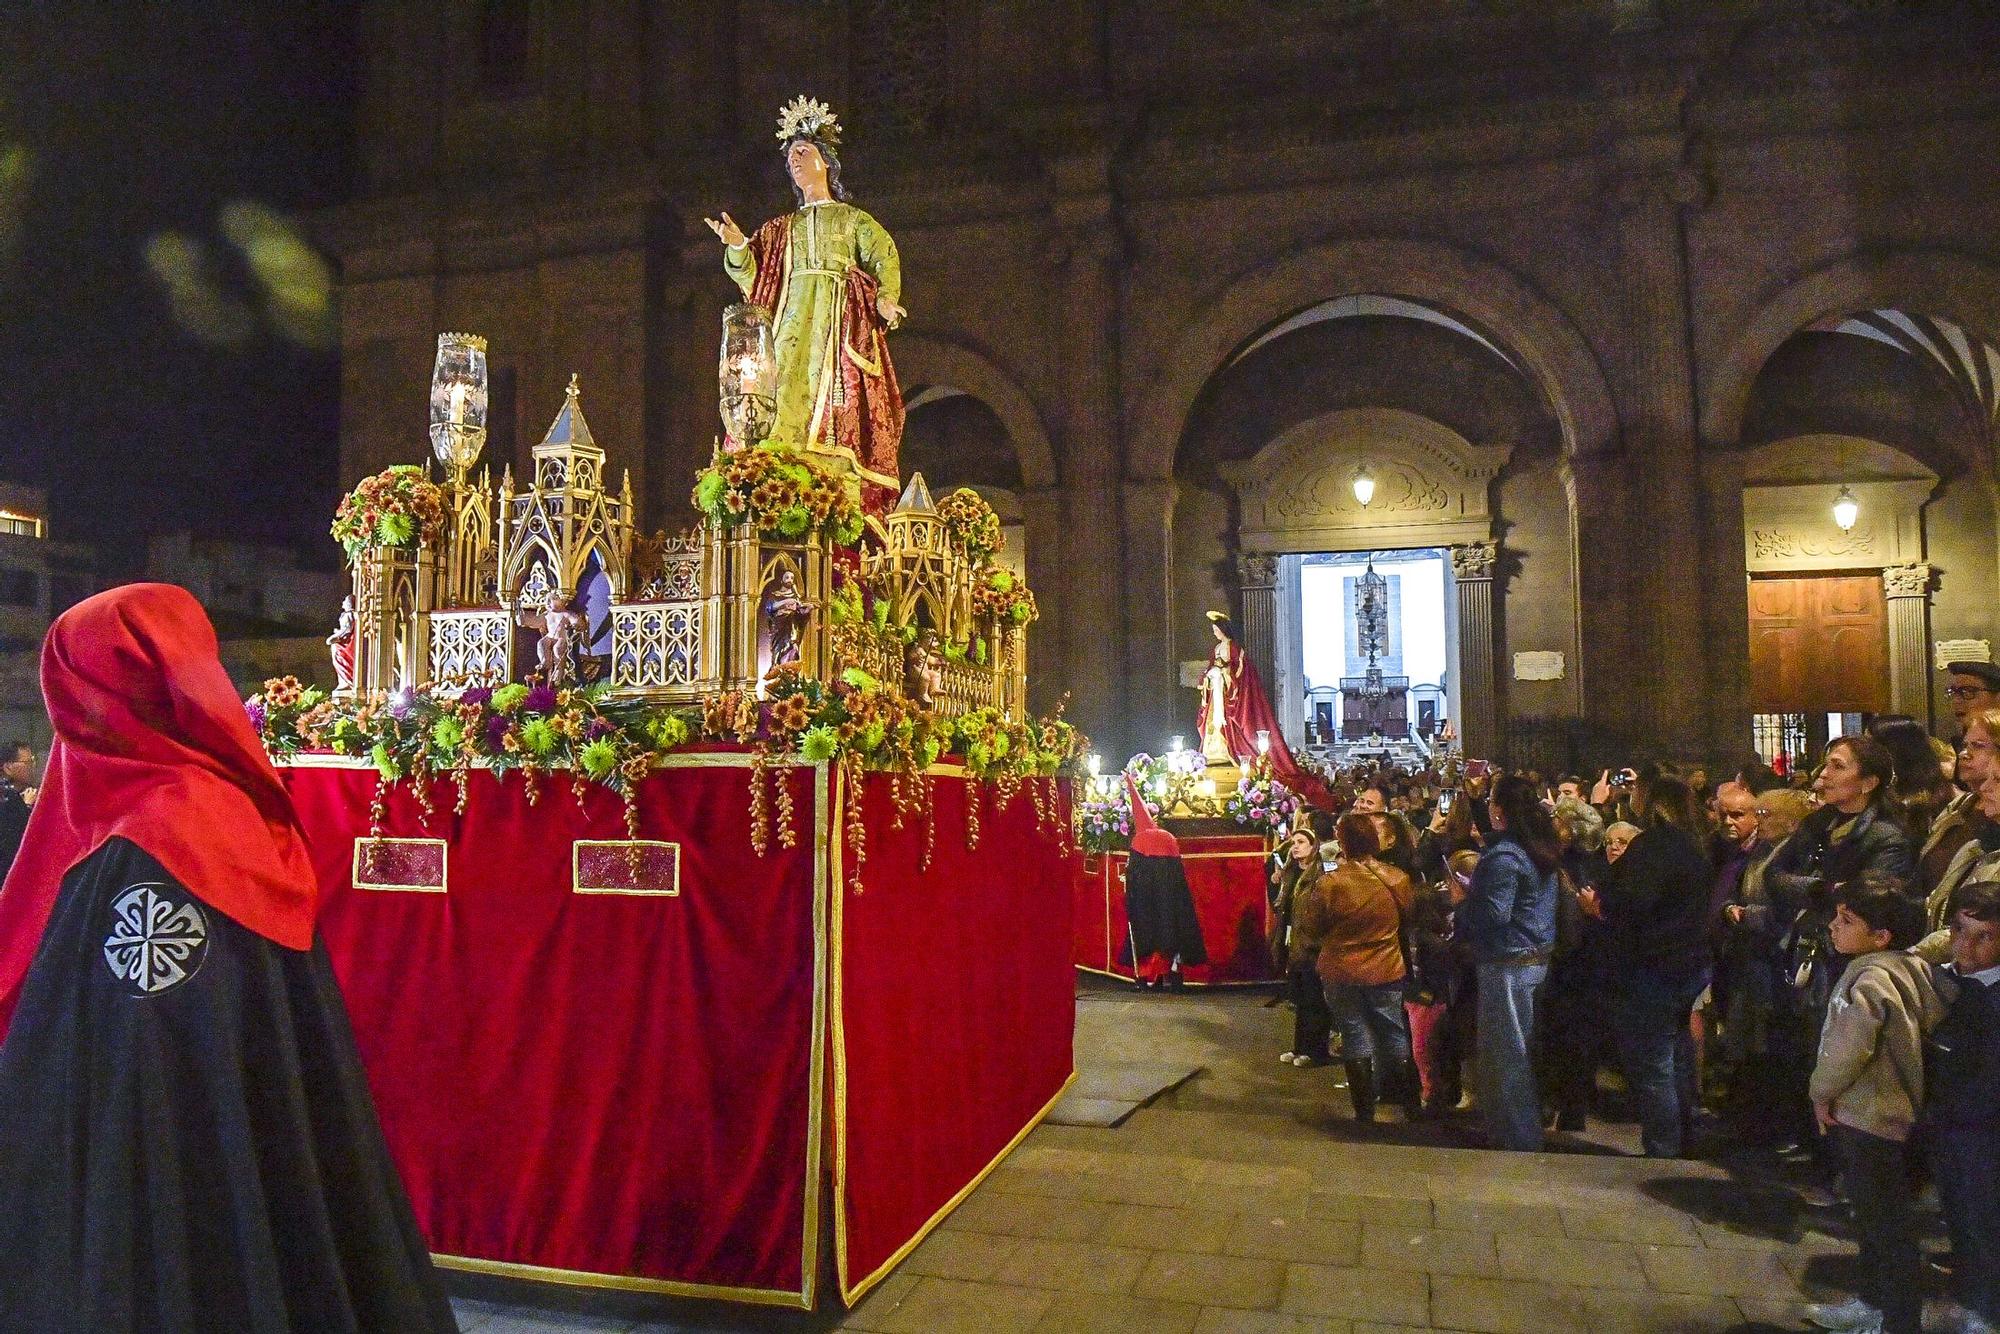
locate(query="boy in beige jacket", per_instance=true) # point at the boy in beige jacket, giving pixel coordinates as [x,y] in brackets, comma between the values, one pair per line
[1867,1090]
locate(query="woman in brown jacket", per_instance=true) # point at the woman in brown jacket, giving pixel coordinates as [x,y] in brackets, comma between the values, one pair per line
[1354,918]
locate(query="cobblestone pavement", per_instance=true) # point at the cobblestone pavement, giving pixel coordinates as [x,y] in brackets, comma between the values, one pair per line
[1247,1201]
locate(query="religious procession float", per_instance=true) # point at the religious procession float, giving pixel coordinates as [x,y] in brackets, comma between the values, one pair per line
[701,901]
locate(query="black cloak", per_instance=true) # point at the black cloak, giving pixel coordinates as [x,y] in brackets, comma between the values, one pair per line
[187,1142]
[1161,911]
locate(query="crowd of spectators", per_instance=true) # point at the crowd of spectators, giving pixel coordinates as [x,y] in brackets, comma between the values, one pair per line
[1812,966]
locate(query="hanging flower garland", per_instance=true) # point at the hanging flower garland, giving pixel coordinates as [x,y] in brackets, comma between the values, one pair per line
[413,735]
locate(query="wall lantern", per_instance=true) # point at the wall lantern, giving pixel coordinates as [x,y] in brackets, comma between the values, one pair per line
[1846,509]
[1364,486]
[458,402]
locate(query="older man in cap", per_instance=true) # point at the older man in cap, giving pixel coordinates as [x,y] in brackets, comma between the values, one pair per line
[1971,687]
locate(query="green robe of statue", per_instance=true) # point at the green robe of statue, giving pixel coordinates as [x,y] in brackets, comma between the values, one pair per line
[836,389]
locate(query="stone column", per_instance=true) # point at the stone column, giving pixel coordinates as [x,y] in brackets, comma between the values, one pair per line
[1087,251]
[1472,573]
[1725,592]
[1153,704]
[1656,407]
[1909,592]
[1257,575]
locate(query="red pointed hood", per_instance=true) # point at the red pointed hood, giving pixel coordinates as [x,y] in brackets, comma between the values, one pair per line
[152,745]
[1148,839]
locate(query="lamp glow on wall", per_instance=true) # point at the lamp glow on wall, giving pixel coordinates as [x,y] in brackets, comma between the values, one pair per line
[1364,486]
[1846,509]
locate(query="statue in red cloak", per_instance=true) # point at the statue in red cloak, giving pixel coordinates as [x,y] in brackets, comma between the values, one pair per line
[1235,711]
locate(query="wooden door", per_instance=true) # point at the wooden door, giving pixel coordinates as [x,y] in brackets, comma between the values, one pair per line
[1819,644]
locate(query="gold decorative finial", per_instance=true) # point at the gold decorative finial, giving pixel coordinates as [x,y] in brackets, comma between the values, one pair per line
[810,118]
[572,384]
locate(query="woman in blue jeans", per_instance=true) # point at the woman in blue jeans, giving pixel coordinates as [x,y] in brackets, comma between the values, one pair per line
[1507,919]
[1655,909]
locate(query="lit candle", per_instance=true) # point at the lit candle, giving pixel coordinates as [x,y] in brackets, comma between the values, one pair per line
[457,405]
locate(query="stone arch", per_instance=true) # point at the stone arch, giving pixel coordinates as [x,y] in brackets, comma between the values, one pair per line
[1958,287]
[1489,295]
[923,358]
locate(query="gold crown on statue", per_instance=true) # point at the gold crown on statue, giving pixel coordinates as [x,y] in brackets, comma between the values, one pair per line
[808,118]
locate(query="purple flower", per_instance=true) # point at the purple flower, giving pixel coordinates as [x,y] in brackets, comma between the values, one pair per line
[480,695]
[496,731]
[256,712]
[597,729]
[402,704]
[541,699]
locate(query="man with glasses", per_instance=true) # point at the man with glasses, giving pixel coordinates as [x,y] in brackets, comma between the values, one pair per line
[1971,687]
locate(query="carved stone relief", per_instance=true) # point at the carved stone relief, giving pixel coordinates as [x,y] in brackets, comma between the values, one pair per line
[1297,493]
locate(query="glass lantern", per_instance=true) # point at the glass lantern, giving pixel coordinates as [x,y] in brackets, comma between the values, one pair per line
[458,402]
[749,375]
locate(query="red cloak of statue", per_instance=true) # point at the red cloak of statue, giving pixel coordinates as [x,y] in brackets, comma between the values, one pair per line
[1246,712]
[866,417]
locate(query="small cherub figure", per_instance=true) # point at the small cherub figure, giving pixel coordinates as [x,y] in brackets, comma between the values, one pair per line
[923,670]
[561,630]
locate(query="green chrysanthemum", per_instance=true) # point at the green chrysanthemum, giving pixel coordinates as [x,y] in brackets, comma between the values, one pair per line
[347,736]
[311,696]
[928,751]
[708,492]
[447,735]
[509,697]
[795,521]
[667,731]
[859,679]
[978,756]
[385,762]
[395,530]
[1001,581]
[871,738]
[819,744]
[539,736]
[599,759]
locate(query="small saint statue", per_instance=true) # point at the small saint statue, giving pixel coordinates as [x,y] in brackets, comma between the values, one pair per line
[923,670]
[829,275]
[341,644]
[1236,716]
[561,630]
[785,615]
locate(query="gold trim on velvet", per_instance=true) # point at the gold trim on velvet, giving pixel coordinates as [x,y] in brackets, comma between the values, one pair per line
[576,885]
[826,836]
[848,1294]
[383,886]
[672,760]
[584,1279]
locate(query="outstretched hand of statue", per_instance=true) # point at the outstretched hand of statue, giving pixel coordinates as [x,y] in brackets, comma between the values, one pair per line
[891,313]
[727,231]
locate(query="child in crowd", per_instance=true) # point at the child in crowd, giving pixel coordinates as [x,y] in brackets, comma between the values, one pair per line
[1962,1119]
[1867,1091]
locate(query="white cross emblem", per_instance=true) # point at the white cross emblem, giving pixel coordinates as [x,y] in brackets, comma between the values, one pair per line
[155,943]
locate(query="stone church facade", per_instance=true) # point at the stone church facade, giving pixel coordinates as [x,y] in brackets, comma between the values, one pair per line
[1611,296]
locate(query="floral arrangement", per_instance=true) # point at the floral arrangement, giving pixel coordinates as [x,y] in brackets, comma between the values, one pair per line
[971,522]
[416,735]
[397,507]
[1103,822]
[1000,597]
[781,492]
[1261,801]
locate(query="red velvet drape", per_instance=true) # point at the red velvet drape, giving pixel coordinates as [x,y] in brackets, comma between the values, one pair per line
[607,1084]
[957,1007]
[623,1086]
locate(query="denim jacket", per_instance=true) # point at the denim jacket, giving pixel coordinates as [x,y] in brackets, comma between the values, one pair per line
[1510,908]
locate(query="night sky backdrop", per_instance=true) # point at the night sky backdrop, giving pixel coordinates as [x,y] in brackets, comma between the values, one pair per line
[166,336]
